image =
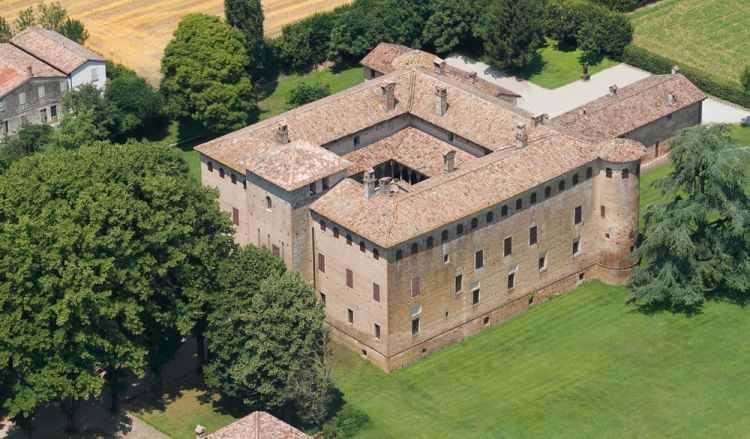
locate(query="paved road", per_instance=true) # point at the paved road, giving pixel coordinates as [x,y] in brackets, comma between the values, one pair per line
[537,100]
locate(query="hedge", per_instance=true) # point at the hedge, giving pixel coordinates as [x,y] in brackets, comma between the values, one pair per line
[657,64]
[625,5]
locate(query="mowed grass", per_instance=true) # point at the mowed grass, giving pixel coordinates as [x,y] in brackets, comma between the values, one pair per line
[711,35]
[555,67]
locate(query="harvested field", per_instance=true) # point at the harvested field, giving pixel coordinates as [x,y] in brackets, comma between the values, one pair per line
[134,32]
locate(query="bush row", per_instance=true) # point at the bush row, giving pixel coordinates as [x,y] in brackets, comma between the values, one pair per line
[730,91]
[624,5]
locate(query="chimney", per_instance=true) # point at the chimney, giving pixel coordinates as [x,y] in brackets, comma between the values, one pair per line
[539,119]
[384,186]
[473,76]
[282,134]
[449,160]
[581,111]
[613,90]
[439,66]
[675,70]
[369,184]
[200,432]
[441,100]
[522,137]
[31,71]
[671,98]
[389,96]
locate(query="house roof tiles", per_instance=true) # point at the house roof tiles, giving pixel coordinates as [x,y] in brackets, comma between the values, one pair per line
[14,68]
[56,50]
[258,425]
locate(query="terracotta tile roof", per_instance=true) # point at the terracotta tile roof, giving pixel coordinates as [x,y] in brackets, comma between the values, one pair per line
[411,147]
[387,58]
[620,150]
[633,106]
[14,68]
[295,165]
[54,49]
[259,425]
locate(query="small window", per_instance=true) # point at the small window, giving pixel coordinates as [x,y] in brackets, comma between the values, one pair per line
[490,217]
[589,173]
[561,185]
[479,259]
[459,283]
[312,188]
[399,254]
[269,203]
[323,299]
[444,236]
[244,184]
[415,326]
[41,92]
[349,278]
[532,199]
[53,111]
[336,232]
[375,254]
[322,225]
[94,75]
[625,173]
[602,211]
[350,316]
[542,262]
[519,204]
[235,216]
[475,297]
[608,172]
[474,223]
[532,235]
[459,229]
[2,107]
[450,137]
[375,292]
[221,172]
[547,192]
[508,246]
[326,185]
[576,246]
[415,287]
[511,280]
[275,250]
[578,215]
[504,211]
[414,248]
[362,246]
[376,332]
[446,258]
[321,263]
[430,242]
[233,178]
[22,99]
[575,179]
[356,140]
[348,239]
[210,166]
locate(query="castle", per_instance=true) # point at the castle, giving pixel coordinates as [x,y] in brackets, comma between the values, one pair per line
[423,205]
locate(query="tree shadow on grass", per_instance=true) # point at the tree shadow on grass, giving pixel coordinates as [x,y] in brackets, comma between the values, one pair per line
[536,67]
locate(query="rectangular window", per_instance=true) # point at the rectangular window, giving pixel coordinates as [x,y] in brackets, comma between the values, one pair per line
[323,299]
[321,263]
[375,292]
[325,183]
[459,282]
[576,246]
[22,100]
[479,259]
[349,278]
[415,326]
[602,211]
[511,280]
[41,92]
[376,332]
[2,106]
[578,215]
[542,262]
[350,316]
[547,192]
[532,235]
[210,166]
[275,250]
[53,111]
[312,188]
[475,297]
[235,216]
[415,288]
[508,246]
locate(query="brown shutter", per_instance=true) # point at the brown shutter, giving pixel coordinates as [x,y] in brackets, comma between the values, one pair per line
[376,292]
[415,286]
[235,216]
[349,278]
[321,263]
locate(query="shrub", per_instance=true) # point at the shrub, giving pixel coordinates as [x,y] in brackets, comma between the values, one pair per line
[745,78]
[304,94]
[624,5]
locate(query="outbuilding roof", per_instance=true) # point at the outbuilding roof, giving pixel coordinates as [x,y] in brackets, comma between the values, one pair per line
[258,425]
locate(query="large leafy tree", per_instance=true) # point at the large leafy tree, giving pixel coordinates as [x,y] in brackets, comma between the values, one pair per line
[137,106]
[102,252]
[513,32]
[697,242]
[247,16]
[265,329]
[450,25]
[29,140]
[205,78]
[304,42]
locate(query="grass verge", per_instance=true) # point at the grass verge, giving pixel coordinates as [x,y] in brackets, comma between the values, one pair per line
[555,67]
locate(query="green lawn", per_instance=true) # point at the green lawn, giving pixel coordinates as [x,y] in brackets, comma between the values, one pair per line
[711,35]
[554,67]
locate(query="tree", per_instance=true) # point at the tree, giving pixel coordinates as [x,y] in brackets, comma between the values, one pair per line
[53,17]
[29,140]
[247,16]
[305,42]
[604,32]
[75,30]
[745,78]
[697,242]
[563,18]
[305,93]
[204,74]
[450,25]
[25,19]
[6,33]
[266,327]
[514,32]
[137,106]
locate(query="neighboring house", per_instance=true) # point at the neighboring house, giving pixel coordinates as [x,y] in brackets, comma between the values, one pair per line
[650,111]
[81,65]
[256,425]
[423,209]
[386,58]
[30,90]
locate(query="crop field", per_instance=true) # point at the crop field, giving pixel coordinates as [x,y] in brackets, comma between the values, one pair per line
[135,32]
[711,35]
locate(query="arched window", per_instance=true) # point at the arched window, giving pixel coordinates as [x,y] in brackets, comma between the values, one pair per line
[210,166]
[625,173]
[349,239]
[336,232]
[519,204]
[575,179]
[561,185]
[399,254]
[362,247]
[430,241]
[322,225]
[233,178]
[474,223]
[414,248]
[504,211]
[459,229]
[221,172]
[589,173]
[444,236]
[608,172]
[375,253]
[269,203]
[547,192]
[533,197]
[490,217]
